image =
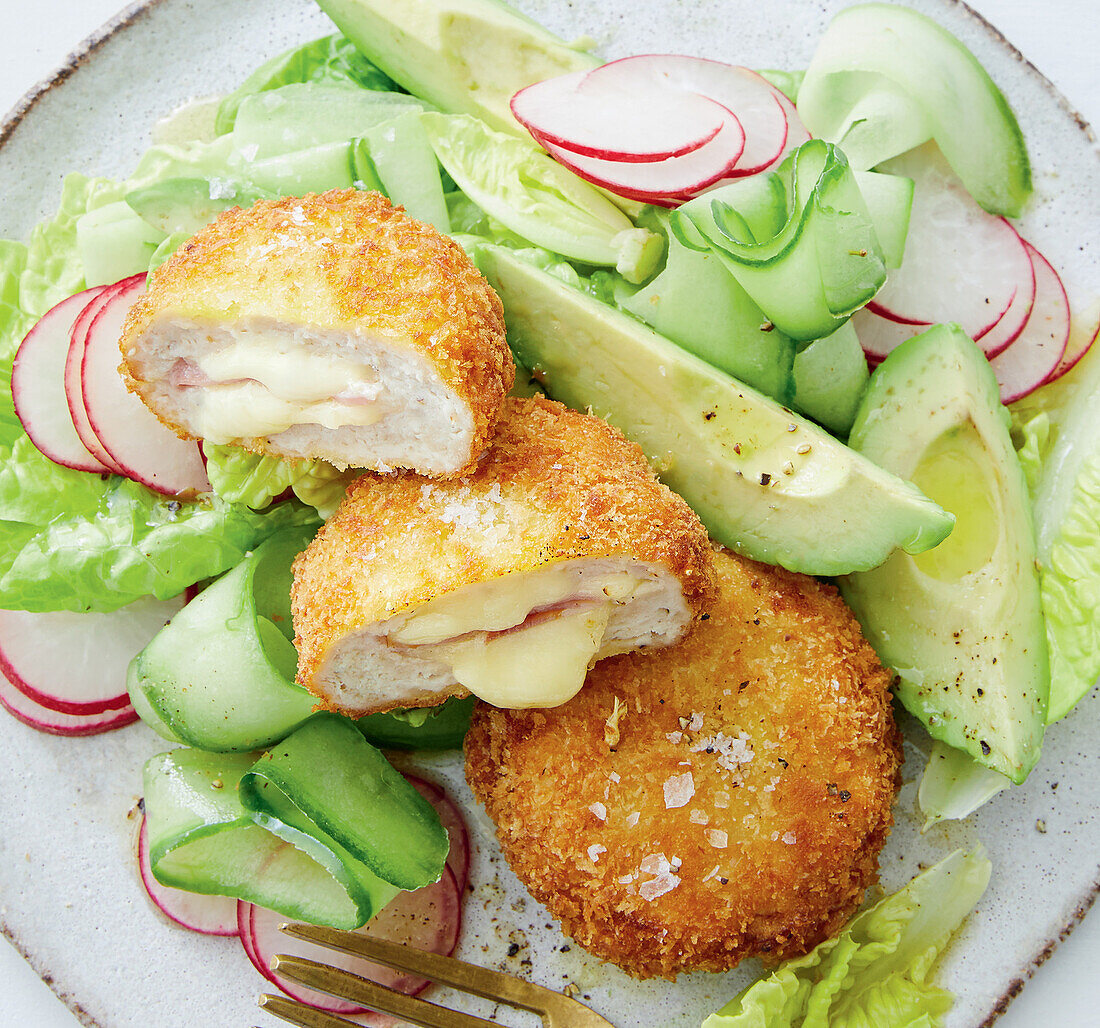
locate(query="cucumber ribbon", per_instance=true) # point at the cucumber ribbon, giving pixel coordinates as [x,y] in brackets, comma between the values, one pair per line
[320,828]
[801,240]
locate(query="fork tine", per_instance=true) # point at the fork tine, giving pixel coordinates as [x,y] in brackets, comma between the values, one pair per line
[346,985]
[301,1015]
[480,981]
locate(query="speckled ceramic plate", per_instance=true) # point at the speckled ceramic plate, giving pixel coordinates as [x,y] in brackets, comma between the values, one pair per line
[69,897]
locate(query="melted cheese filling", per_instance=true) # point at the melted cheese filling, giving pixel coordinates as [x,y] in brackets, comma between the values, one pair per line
[538,665]
[264,385]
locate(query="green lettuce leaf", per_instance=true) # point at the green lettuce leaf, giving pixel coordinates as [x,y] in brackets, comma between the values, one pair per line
[256,479]
[538,199]
[331,59]
[70,540]
[1058,436]
[878,970]
[14,325]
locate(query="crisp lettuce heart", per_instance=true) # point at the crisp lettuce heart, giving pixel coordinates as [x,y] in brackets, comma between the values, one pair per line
[878,970]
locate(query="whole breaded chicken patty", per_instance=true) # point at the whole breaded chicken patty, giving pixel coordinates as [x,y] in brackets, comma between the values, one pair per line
[330,325]
[724,798]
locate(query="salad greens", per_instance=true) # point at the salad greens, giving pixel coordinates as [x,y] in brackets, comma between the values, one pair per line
[878,970]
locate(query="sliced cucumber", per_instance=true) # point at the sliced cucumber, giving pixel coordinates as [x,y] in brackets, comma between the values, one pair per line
[404,161]
[220,676]
[830,375]
[115,242]
[699,305]
[313,170]
[184,205]
[885,79]
[800,240]
[764,481]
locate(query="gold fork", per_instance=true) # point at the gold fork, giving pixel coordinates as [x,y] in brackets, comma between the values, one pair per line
[556,1010]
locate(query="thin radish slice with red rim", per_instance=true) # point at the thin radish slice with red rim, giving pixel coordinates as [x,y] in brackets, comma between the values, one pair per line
[691,173]
[458,856]
[879,335]
[38,386]
[54,722]
[752,100]
[427,919]
[961,263]
[207,915]
[1033,357]
[636,121]
[76,662]
[135,439]
[1078,344]
[1007,330]
[74,386]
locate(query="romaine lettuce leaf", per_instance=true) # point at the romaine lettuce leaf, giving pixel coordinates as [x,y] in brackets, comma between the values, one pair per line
[332,59]
[14,324]
[878,970]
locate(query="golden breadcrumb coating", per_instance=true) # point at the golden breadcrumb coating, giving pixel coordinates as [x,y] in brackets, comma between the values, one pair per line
[340,260]
[555,484]
[723,798]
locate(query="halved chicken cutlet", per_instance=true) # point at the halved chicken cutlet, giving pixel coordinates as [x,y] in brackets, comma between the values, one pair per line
[724,798]
[559,549]
[331,325]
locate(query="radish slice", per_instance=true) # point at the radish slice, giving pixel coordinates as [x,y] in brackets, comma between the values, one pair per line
[76,663]
[634,121]
[135,440]
[207,915]
[961,263]
[54,722]
[1076,347]
[38,386]
[1007,330]
[427,919]
[74,389]
[659,179]
[1034,356]
[752,100]
[879,335]
[458,856]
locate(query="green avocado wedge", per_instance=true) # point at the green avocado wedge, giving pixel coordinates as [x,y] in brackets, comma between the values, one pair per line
[764,482]
[962,624]
[885,79]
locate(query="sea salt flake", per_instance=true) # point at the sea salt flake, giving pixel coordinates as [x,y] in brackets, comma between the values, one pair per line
[696,722]
[626,879]
[790,838]
[674,737]
[678,790]
[717,838]
[595,850]
[297,215]
[732,752]
[655,887]
[711,873]
[222,188]
[614,776]
[599,810]
[699,817]
[655,864]
[632,820]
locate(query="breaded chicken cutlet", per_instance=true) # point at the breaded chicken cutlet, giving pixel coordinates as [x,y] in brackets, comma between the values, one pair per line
[559,549]
[331,326]
[724,798]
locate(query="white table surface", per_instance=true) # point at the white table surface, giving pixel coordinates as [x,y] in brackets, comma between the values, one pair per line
[1060,37]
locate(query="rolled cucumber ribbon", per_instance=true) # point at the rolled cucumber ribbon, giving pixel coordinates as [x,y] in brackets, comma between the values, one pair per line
[321,828]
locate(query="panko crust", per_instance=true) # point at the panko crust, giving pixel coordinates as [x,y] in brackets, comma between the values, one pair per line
[343,259]
[555,484]
[780,669]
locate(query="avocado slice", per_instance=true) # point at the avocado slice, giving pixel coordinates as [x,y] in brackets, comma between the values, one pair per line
[465,56]
[764,482]
[962,624]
